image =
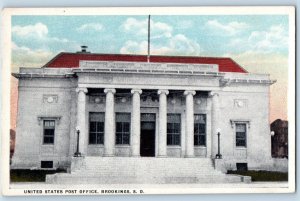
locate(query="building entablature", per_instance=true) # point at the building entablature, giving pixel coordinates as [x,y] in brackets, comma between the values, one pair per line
[171,71]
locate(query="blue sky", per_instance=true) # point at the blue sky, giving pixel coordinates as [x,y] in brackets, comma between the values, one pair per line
[257,42]
[192,35]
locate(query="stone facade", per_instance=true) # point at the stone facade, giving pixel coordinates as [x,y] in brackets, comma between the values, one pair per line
[234,104]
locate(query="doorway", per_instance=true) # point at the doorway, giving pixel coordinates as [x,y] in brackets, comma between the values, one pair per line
[147,148]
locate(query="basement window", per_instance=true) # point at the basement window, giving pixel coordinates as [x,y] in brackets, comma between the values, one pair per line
[242,167]
[46,164]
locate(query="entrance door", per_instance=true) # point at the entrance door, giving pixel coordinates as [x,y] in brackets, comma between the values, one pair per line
[147,147]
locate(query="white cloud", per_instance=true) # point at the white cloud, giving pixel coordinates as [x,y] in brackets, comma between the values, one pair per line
[275,37]
[36,37]
[133,47]
[90,27]
[230,28]
[38,30]
[176,45]
[140,28]
[25,57]
[32,46]
[163,41]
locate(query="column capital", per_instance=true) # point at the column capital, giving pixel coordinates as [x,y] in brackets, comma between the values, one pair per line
[83,89]
[136,91]
[109,90]
[187,92]
[163,91]
[213,93]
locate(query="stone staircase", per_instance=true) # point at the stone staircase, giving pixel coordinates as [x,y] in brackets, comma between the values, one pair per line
[144,170]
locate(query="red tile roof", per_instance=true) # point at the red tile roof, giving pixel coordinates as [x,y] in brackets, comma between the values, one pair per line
[71,60]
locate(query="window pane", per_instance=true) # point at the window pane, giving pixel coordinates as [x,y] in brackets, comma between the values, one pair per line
[100,127]
[196,130]
[240,127]
[122,128]
[200,118]
[49,123]
[52,123]
[119,127]
[46,123]
[100,138]
[49,132]
[202,128]
[173,129]
[96,135]
[92,139]
[48,140]
[240,135]
[202,140]
[176,128]
[196,137]
[97,116]
[169,139]
[173,118]
[126,127]
[118,138]
[169,128]
[125,139]
[176,139]
[93,126]
[147,117]
[122,117]
[240,142]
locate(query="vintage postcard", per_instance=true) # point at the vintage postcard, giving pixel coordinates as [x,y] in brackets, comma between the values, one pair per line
[170,100]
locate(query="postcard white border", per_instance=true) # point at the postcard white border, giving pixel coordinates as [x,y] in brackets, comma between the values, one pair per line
[151,189]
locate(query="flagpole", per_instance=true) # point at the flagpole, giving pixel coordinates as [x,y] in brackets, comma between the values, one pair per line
[148,56]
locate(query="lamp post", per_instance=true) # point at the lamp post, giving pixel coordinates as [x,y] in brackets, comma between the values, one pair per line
[219,155]
[77,153]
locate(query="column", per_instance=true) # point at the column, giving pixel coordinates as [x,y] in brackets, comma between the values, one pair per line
[215,122]
[208,128]
[109,126]
[189,125]
[162,133]
[81,124]
[135,122]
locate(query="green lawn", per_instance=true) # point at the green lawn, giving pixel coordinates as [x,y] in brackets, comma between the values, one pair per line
[262,175]
[40,175]
[31,175]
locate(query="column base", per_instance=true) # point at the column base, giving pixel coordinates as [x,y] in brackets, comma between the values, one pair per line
[189,156]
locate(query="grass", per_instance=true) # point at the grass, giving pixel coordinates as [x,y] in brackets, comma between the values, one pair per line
[262,175]
[40,175]
[19,175]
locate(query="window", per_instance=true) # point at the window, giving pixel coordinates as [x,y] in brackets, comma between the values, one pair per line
[173,129]
[46,164]
[96,134]
[241,130]
[242,167]
[49,129]
[122,128]
[200,129]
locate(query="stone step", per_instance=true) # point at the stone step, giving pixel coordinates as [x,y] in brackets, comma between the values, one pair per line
[118,170]
[92,179]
